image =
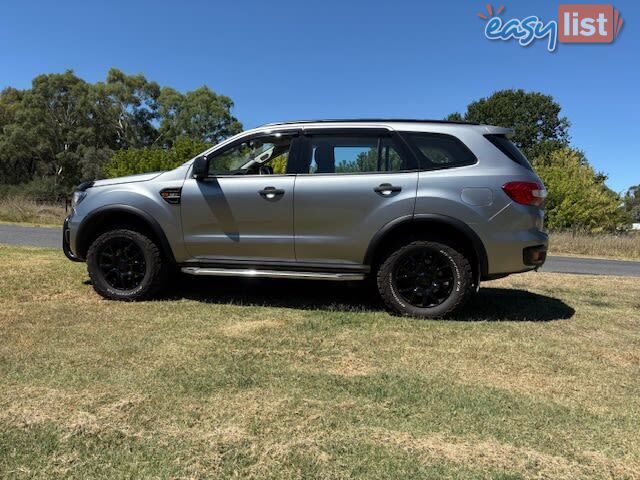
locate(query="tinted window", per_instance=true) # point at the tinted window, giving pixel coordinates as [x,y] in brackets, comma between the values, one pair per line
[437,150]
[507,147]
[257,155]
[354,154]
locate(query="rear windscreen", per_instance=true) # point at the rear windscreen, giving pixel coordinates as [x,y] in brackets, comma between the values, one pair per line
[507,147]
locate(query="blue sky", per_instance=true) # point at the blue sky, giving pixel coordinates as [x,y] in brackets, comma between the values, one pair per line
[282,60]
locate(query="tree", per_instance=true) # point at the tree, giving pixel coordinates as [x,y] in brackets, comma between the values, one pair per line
[632,203]
[64,130]
[535,117]
[200,114]
[578,197]
[133,102]
[48,122]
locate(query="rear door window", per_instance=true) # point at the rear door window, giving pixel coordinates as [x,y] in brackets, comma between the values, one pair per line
[355,154]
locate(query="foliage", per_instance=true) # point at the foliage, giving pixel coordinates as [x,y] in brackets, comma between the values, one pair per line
[578,197]
[200,114]
[535,117]
[42,189]
[64,130]
[152,159]
[632,203]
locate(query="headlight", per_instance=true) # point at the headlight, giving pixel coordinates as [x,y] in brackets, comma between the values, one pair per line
[77,198]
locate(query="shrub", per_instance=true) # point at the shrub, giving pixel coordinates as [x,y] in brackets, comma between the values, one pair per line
[40,189]
[153,159]
[578,198]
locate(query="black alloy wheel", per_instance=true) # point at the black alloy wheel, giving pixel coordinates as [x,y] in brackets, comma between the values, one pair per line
[122,263]
[125,264]
[424,278]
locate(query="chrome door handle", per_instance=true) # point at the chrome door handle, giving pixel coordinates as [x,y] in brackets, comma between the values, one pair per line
[386,189]
[271,192]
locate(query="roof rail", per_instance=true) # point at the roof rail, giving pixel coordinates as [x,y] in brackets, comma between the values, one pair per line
[363,120]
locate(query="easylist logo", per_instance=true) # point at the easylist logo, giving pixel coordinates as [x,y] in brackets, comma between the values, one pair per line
[577,23]
[589,23]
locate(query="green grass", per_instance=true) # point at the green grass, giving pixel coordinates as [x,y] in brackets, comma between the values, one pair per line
[538,378]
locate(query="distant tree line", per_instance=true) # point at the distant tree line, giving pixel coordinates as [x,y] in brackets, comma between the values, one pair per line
[64,130]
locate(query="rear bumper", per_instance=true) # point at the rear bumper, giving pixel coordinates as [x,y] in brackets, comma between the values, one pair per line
[66,239]
[515,252]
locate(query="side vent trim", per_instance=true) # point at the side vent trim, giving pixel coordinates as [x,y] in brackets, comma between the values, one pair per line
[171,195]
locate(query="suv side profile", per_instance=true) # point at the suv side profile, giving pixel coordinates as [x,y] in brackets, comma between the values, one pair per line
[428,209]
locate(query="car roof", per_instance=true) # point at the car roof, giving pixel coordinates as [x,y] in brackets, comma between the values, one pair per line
[410,124]
[372,120]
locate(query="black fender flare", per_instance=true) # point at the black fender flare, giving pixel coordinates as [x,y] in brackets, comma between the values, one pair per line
[88,222]
[470,234]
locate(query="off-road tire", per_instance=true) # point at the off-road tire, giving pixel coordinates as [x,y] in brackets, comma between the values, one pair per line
[155,275]
[459,267]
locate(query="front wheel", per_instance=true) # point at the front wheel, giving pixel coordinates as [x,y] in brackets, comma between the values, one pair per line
[425,279]
[125,265]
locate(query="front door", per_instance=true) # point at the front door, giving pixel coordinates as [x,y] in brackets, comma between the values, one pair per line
[349,186]
[244,209]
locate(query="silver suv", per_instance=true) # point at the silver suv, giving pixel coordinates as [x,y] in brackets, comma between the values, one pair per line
[427,209]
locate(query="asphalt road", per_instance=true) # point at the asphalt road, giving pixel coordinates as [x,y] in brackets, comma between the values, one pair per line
[52,237]
[33,236]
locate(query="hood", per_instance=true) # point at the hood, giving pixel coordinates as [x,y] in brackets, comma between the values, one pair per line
[141,177]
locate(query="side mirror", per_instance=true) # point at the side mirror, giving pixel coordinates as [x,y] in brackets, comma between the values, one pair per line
[200,167]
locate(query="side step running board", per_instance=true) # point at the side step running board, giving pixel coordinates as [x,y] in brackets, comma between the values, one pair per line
[251,272]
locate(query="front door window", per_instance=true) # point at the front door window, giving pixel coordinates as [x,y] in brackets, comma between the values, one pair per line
[257,156]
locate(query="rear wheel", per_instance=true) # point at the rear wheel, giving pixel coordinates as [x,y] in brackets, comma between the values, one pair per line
[425,279]
[125,265]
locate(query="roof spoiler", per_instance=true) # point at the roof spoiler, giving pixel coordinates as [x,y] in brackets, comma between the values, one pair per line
[491,130]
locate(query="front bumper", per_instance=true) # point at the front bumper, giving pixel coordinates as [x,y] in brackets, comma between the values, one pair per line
[66,247]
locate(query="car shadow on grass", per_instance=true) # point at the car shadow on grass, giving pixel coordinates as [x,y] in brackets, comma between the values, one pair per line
[490,304]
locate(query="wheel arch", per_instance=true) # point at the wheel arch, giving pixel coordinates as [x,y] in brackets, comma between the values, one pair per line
[412,226]
[109,216]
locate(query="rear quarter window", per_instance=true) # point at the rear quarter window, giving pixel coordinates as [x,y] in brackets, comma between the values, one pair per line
[438,150]
[507,147]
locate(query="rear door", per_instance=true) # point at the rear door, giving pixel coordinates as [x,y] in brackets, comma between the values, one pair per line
[350,184]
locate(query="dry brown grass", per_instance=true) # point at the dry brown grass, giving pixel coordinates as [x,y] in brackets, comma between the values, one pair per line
[607,245]
[539,378]
[24,210]
[495,455]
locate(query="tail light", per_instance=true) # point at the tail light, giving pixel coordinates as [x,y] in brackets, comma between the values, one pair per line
[526,193]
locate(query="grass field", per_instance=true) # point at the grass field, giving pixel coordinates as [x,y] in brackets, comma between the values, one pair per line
[538,378]
[23,210]
[596,245]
